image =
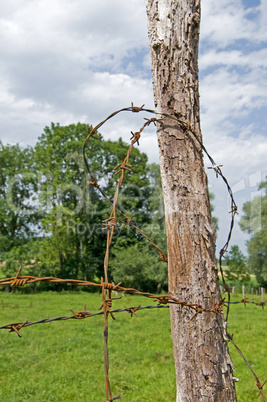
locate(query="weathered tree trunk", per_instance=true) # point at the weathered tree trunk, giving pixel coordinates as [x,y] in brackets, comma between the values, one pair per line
[202,361]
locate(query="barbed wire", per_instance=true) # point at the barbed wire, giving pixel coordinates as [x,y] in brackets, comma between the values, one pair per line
[22,280]
[109,226]
[187,130]
[16,326]
[259,385]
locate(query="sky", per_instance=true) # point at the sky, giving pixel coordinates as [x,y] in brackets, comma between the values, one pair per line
[72,61]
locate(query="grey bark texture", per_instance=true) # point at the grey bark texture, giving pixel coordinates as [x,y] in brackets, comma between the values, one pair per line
[202,361]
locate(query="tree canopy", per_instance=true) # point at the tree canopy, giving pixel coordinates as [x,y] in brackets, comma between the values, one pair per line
[254,222]
[236,267]
[17,190]
[51,217]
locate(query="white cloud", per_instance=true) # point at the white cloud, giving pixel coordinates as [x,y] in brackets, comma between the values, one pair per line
[69,61]
[75,32]
[227,21]
[59,58]
[92,101]
[230,58]
[227,98]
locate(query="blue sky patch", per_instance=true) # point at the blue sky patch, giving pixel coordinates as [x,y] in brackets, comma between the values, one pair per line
[250,3]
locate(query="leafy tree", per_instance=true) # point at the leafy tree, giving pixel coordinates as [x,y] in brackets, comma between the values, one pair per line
[236,266]
[67,211]
[17,187]
[61,234]
[135,266]
[72,210]
[18,209]
[134,261]
[156,208]
[215,220]
[254,222]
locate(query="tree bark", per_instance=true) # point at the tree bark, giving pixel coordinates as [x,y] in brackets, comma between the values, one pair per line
[202,361]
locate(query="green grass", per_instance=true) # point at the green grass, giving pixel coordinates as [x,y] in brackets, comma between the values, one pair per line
[63,361]
[249,326]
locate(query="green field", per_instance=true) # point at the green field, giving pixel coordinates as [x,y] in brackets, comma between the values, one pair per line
[63,361]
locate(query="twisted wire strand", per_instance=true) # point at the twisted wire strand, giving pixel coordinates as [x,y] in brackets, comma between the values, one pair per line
[110,224]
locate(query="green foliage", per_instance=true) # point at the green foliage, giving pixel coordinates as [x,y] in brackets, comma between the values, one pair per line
[236,267]
[73,211]
[51,218]
[254,221]
[138,267]
[65,238]
[17,190]
[156,209]
[215,220]
[136,263]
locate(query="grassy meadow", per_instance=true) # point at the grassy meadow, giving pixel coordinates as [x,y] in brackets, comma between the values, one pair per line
[63,361]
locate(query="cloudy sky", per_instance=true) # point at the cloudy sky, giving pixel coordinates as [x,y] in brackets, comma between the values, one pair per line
[67,61]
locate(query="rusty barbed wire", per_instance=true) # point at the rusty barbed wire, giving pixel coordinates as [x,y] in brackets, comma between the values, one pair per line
[16,326]
[20,281]
[134,139]
[259,385]
[109,225]
[217,169]
[163,302]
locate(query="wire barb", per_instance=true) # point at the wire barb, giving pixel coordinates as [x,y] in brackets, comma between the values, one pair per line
[217,169]
[123,166]
[17,327]
[109,224]
[81,314]
[136,109]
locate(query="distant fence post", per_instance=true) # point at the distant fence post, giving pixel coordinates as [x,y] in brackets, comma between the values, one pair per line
[243,291]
